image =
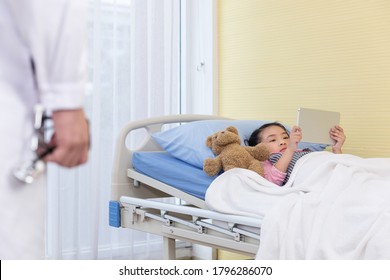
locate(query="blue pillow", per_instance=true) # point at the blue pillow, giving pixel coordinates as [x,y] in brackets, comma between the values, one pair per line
[312,146]
[187,142]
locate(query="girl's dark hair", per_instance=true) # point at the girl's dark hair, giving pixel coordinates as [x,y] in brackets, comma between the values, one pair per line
[254,138]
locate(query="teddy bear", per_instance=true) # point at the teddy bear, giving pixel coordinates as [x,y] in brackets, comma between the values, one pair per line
[226,145]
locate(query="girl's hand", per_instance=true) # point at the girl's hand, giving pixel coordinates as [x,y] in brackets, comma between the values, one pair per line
[295,137]
[337,134]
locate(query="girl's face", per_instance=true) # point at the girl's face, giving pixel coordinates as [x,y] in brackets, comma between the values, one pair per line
[276,139]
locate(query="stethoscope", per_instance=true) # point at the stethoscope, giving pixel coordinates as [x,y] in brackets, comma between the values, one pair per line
[29,171]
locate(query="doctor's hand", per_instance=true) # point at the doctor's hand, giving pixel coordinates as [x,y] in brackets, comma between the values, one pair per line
[71,138]
[337,134]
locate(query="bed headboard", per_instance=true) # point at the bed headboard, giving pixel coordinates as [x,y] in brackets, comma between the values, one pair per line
[122,185]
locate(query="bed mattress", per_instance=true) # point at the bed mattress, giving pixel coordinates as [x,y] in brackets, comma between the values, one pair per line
[172,171]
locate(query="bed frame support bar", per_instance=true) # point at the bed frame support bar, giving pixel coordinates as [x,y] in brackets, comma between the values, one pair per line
[194,226]
[236,236]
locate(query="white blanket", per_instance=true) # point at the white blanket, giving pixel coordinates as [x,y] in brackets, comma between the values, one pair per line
[332,207]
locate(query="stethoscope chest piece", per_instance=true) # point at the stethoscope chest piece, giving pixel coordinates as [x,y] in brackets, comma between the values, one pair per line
[29,170]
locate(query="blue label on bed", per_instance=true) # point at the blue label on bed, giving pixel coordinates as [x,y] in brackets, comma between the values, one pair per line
[114,213]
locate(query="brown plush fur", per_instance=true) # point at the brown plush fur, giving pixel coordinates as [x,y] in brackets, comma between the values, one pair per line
[226,145]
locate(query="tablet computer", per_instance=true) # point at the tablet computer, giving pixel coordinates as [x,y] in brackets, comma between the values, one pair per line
[315,125]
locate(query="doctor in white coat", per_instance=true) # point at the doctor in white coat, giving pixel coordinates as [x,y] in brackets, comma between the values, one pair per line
[42,60]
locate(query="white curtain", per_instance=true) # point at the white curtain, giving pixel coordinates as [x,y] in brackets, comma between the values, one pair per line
[133,74]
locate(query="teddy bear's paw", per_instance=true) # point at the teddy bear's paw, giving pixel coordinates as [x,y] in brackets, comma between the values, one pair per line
[262,152]
[211,167]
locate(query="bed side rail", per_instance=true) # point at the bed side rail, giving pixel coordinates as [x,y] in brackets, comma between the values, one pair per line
[121,184]
[209,228]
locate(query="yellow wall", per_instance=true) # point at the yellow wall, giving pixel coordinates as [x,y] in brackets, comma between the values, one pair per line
[278,55]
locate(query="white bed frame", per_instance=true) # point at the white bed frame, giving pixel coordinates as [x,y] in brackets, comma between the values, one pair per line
[136,202]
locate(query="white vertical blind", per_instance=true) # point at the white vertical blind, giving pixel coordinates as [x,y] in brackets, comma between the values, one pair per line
[199,57]
[134,73]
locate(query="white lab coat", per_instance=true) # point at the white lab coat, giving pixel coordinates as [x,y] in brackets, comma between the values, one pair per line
[51,33]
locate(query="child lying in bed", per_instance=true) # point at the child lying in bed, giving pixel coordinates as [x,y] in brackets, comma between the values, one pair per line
[284,148]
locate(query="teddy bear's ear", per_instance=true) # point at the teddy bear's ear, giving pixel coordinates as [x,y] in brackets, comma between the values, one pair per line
[208,141]
[232,129]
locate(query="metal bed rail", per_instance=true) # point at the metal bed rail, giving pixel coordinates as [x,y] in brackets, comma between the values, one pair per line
[230,232]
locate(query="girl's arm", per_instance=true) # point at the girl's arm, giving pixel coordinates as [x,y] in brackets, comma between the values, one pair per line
[285,159]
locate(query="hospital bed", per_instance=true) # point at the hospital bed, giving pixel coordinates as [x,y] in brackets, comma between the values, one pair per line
[339,203]
[155,192]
